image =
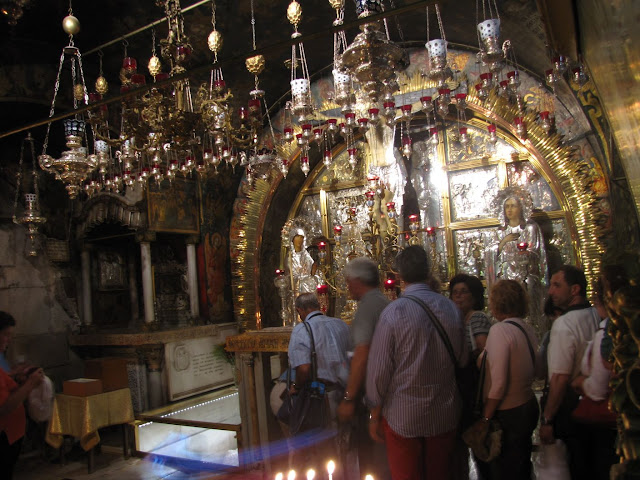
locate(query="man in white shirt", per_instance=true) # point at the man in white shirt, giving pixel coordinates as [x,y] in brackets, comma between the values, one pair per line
[570,334]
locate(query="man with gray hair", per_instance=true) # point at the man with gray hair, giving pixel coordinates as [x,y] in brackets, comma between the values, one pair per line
[331,340]
[363,282]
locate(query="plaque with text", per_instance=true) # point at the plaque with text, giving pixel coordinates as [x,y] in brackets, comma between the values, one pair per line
[193,368]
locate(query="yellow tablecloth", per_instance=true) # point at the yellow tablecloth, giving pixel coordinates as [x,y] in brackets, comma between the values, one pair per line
[81,417]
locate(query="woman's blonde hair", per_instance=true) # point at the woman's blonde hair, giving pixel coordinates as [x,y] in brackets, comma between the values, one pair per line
[508,297]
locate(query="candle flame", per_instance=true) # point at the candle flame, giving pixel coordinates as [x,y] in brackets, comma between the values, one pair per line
[279,476]
[311,473]
[368,477]
[331,467]
[291,475]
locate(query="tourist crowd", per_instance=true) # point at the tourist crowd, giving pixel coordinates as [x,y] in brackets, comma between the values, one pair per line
[394,379]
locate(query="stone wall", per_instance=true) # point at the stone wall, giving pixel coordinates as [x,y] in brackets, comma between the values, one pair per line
[41,297]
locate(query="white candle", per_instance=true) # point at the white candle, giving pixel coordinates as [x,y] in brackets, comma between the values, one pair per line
[331,467]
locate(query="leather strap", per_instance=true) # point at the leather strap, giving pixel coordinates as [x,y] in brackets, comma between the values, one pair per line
[533,355]
[443,335]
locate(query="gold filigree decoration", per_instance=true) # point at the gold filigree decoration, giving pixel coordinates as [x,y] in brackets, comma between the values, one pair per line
[570,170]
[245,248]
[571,179]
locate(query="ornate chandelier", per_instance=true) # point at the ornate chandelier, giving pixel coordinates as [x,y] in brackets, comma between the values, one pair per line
[74,165]
[165,131]
[372,59]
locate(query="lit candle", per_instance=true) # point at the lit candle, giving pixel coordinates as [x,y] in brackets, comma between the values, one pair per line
[368,477]
[311,474]
[322,289]
[331,467]
[389,284]
[522,246]
[291,475]
[322,246]
[431,231]
[337,229]
[279,476]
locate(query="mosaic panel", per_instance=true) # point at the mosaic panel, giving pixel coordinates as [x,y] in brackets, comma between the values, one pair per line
[558,243]
[310,211]
[478,145]
[338,202]
[524,175]
[471,193]
[469,249]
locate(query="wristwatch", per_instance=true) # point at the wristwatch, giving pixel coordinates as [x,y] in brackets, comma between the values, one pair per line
[347,397]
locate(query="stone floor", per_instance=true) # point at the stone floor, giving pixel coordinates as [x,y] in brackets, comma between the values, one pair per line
[40,462]
[109,464]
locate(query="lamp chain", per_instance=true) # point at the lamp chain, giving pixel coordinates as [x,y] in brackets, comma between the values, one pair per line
[253,26]
[440,22]
[18,181]
[100,55]
[52,111]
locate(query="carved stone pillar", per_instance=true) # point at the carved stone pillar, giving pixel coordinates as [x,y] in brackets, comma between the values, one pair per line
[192,276]
[147,276]
[87,313]
[154,359]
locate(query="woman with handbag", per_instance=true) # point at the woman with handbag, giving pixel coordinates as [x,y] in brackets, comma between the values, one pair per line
[510,371]
[467,292]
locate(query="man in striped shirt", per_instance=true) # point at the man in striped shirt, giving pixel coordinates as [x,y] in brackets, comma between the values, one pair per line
[411,383]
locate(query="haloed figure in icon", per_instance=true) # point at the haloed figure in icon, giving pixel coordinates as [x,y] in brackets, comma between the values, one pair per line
[520,254]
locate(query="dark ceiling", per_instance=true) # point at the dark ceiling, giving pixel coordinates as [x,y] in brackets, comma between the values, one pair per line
[38,39]
[31,49]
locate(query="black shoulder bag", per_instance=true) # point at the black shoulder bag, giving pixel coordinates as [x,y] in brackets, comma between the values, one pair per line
[466,377]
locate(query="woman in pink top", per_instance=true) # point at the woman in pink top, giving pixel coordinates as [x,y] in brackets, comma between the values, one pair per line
[511,368]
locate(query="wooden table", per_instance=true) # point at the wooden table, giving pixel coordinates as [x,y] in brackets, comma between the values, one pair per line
[81,417]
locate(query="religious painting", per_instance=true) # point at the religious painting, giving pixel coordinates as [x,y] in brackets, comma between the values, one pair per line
[111,271]
[214,256]
[173,207]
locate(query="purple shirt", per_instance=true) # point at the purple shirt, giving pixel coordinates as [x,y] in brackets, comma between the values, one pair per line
[410,372]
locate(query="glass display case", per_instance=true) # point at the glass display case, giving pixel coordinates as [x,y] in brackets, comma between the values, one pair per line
[202,430]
